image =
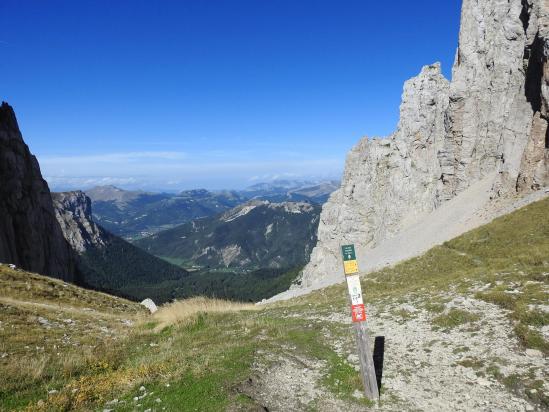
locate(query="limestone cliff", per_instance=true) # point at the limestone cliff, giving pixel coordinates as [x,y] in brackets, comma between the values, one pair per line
[30,236]
[107,262]
[498,108]
[73,212]
[489,122]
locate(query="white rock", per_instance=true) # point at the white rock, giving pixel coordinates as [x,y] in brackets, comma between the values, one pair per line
[358,394]
[534,353]
[149,304]
[484,382]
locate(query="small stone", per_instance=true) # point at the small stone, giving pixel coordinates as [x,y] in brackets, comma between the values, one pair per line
[484,382]
[534,353]
[53,391]
[358,394]
[142,389]
[158,400]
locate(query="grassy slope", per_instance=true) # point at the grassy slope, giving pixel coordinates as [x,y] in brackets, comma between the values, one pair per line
[205,359]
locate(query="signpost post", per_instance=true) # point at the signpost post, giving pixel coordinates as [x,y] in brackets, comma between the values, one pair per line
[358,313]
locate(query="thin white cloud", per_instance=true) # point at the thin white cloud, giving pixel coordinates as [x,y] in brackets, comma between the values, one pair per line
[67,183]
[114,157]
[177,170]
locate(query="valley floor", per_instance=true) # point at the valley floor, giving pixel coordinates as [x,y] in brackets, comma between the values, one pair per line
[466,327]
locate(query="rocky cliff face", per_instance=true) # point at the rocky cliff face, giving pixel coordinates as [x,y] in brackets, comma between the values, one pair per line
[30,236]
[498,108]
[73,212]
[491,120]
[108,263]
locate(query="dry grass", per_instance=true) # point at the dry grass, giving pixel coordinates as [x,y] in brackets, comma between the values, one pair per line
[183,311]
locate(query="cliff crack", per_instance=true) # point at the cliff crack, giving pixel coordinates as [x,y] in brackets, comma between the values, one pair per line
[534,73]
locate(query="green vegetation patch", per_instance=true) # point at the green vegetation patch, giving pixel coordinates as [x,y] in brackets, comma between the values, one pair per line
[454,317]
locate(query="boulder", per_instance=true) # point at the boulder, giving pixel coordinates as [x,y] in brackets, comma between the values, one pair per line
[149,304]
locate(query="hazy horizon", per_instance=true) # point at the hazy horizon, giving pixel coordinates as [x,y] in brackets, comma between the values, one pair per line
[84,183]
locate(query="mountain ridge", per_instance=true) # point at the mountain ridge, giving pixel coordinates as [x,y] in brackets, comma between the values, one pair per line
[136,214]
[490,122]
[254,235]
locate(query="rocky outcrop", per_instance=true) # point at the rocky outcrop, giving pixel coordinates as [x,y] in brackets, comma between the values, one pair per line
[105,261]
[384,177]
[490,122]
[30,236]
[497,115]
[73,212]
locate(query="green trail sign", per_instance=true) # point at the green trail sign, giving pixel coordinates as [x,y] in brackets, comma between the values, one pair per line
[348,252]
[350,265]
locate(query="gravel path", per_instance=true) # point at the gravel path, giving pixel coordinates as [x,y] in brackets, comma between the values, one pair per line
[469,367]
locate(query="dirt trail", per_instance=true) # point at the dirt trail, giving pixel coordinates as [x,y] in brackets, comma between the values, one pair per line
[87,312]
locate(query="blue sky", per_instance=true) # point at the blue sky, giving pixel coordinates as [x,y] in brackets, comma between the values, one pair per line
[217,94]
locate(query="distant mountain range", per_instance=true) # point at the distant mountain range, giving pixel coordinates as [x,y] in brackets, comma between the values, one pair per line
[238,245]
[136,214]
[292,191]
[255,235]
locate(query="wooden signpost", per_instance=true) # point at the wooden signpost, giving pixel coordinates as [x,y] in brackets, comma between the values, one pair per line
[358,313]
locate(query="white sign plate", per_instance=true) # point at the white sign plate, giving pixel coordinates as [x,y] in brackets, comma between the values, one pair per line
[355,291]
